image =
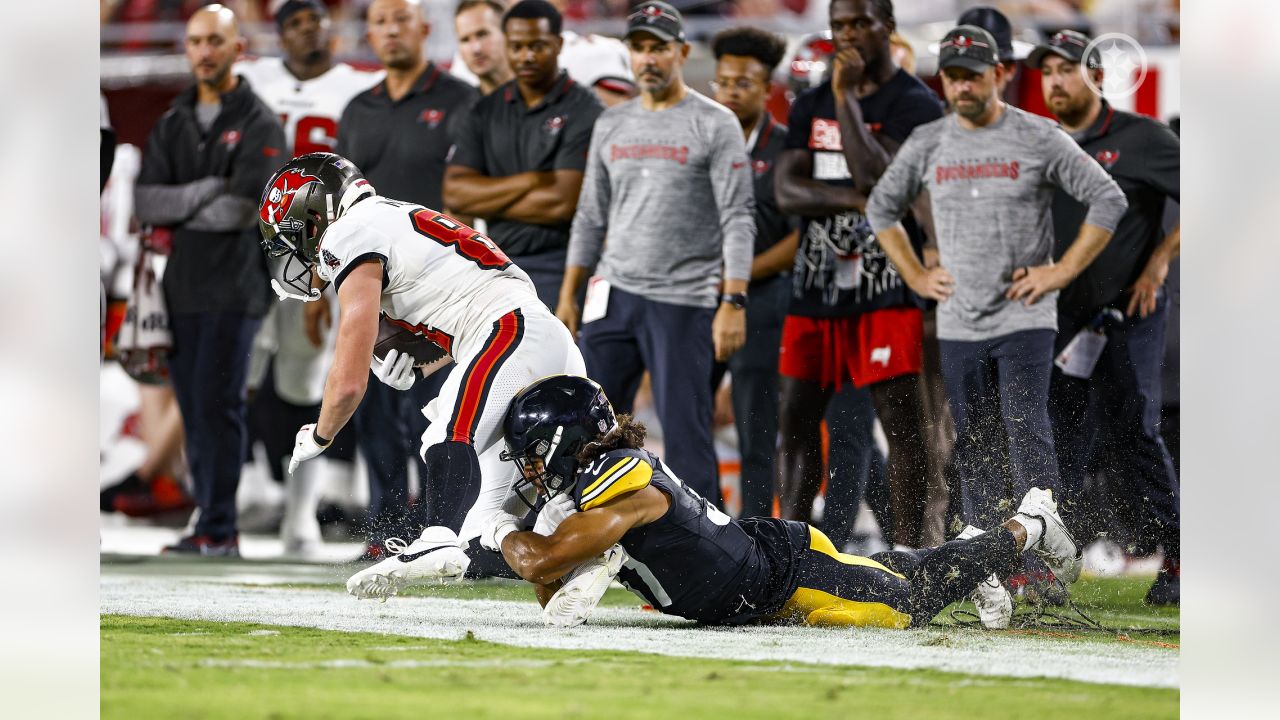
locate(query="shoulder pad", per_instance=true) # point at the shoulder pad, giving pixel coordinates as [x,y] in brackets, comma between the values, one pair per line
[612,475]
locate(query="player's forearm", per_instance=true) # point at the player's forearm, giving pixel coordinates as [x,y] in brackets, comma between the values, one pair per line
[811,198]
[172,204]
[897,246]
[544,205]
[471,193]
[224,213]
[776,259]
[574,278]
[343,392]
[866,158]
[1088,243]
[534,557]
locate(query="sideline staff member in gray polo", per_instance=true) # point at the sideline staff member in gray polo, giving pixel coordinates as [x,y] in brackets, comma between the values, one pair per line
[669,180]
[991,171]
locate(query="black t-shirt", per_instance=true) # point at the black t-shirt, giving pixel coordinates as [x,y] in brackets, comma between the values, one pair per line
[212,271]
[504,137]
[771,224]
[840,268]
[401,146]
[1142,155]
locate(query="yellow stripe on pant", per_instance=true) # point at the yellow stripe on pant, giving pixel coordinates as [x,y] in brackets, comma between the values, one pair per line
[814,606]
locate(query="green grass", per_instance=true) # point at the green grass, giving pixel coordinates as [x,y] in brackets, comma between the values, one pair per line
[163,668]
[1115,603]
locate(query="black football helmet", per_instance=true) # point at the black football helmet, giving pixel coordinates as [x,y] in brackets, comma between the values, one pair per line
[550,421]
[298,205]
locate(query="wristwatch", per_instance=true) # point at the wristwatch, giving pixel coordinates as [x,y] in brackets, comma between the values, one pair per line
[738,300]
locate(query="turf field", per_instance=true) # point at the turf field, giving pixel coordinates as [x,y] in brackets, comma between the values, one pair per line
[260,639]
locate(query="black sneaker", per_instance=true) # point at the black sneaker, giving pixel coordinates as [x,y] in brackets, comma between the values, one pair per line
[1167,588]
[205,546]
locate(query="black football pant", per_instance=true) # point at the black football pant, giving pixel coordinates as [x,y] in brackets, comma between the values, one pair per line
[274,422]
[835,589]
[209,366]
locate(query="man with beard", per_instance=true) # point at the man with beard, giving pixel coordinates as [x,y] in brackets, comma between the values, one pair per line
[668,180]
[202,172]
[1121,399]
[399,133]
[519,162]
[308,91]
[991,171]
[851,318]
[478,25]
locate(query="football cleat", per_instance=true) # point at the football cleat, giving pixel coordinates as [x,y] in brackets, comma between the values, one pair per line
[1056,546]
[995,605]
[583,588]
[205,546]
[437,555]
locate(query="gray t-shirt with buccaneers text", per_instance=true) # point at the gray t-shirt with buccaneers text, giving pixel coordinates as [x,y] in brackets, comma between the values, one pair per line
[672,191]
[992,193]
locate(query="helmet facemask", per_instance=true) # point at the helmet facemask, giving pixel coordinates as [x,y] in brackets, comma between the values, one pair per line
[287,262]
[544,465]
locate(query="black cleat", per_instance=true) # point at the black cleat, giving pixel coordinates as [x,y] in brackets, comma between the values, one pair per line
[1166,590]
[205,546]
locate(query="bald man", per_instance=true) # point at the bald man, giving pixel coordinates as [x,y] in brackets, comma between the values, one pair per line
[206,162]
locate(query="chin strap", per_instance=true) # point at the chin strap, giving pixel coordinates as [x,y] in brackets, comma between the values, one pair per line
[287,294]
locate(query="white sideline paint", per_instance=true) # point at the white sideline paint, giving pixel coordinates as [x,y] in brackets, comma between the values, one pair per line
[520,624]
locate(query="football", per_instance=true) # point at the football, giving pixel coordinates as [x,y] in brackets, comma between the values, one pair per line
[396,337]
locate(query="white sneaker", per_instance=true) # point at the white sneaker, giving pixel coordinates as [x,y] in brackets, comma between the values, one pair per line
[436,555]
[995,605]
[300,530]
[1056,546]
[574,602]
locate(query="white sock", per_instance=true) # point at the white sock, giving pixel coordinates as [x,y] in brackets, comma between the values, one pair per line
[302,497]
[1034,526]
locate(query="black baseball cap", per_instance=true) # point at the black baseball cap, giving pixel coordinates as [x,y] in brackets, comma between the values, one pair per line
[1069,45]
[658,19]
[995,22]
[969,47]
[289,7]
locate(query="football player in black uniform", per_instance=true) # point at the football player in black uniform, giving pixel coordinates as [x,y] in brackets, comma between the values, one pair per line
[687,558]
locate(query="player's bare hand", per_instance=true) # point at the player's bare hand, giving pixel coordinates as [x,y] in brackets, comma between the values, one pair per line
[728,331]
[934,283]
[848,70]
[316,318]
[1032,282]
[1143,294]
[931,258]
[570,314]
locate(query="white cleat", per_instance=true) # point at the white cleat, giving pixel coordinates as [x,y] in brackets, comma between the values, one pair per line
[437,555]
[1056,546]
[574,602]
[995,605]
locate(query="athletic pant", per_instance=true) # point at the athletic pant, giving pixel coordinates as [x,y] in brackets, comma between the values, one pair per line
[208,366]
[999,395]
[855,466]
[754,370]
[1112,422]
[672,342]
[836,589]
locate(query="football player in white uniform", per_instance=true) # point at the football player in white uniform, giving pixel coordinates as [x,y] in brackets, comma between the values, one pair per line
[322,223]
[309,91]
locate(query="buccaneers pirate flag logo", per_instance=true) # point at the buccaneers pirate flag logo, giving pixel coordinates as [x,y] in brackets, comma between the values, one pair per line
[275,207]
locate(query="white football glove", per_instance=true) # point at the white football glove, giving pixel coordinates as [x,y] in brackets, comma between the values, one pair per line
[583,588]
[396,370]
[499,528]
[305,446]
[553,513]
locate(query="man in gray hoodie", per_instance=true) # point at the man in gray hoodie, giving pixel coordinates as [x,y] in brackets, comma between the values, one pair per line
[991,171]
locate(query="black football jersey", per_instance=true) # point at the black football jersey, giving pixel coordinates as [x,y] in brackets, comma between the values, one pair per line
[695,561]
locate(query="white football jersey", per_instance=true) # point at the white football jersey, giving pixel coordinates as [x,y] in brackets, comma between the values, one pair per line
[441,279]
[309,109]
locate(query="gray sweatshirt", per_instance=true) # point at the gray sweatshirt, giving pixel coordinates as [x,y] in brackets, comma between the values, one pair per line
[992,191]
[672,190]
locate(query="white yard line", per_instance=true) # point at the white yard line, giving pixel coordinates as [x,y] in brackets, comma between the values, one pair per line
[520,624]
